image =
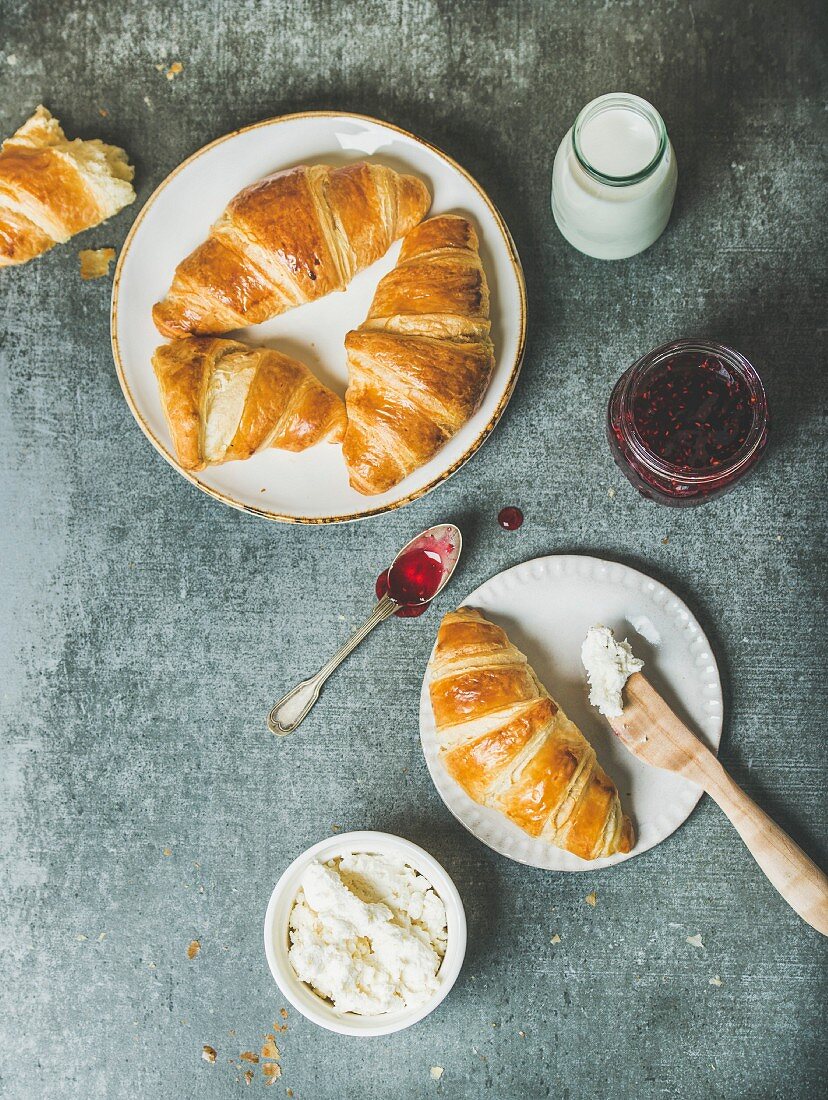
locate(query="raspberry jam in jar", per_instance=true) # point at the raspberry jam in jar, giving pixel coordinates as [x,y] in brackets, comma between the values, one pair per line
[687,421]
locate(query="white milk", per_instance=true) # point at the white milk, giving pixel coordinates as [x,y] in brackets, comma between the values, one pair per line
[614,178]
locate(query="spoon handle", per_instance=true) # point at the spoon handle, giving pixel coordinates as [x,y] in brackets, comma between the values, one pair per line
[293,707]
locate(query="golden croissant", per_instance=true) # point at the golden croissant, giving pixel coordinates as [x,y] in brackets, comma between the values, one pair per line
[51,188]
[288,239]
[420,364]
[224,400]
[511,747]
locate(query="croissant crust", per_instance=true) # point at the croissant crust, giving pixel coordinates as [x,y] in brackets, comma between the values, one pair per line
[290,238]
[224,400]
[51,188]
[419,365]
[511,747]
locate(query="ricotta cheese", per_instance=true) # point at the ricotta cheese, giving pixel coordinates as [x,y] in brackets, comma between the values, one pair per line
[368,933]
[609,664]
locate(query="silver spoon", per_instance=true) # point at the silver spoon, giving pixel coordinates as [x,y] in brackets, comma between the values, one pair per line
[292,708]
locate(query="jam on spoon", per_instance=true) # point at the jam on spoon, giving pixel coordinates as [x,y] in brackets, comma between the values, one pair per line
[414,577]
[418,573]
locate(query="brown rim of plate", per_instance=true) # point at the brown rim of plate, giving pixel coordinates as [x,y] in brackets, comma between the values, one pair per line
[473,447]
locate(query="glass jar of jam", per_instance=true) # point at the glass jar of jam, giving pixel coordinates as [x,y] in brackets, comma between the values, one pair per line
[687,421]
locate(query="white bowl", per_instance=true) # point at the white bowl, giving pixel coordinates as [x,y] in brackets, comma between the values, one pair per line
[300,995]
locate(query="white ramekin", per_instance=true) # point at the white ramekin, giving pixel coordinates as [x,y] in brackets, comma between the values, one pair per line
[276,940]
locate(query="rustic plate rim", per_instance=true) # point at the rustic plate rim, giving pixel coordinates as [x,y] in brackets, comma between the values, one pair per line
[475,444]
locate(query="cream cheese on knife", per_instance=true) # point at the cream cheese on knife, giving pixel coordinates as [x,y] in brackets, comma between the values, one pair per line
[609,664]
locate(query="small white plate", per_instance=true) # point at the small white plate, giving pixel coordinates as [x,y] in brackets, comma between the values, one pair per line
[547,606]
[311,487]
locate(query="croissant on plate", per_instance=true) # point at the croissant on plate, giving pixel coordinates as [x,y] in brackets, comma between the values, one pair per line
[290,238]
[224,400]
[511,747]
[420,364]
[51,188]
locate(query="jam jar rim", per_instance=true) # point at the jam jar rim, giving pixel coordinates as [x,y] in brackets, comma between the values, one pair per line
[755,438]
[630,101]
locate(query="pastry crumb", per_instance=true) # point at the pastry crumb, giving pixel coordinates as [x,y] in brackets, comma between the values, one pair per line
[715,981]
[665,541]
[283,1013]
[208,1054]
[166,851]
[193,948]
[271,1071]
[248,1076]
[436,1073]
[591,899]
[81,938]
[522,1034]
[174,70]
[555,939]
[102,937]
[94,262]
[249,1056]
[269,1048]
[610,493]
[695,941]
[102,111]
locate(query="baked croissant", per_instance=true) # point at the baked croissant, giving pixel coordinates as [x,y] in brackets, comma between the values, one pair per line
[290,238]
[420,364]
[511,747]
[51,188]
[225,401]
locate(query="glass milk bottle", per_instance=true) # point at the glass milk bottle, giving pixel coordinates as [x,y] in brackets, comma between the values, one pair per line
[614,178]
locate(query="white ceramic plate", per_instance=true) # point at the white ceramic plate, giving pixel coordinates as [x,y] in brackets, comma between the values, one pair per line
[546,606]
[311,487]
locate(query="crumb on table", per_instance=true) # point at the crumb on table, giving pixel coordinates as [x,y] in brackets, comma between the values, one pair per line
[94,264]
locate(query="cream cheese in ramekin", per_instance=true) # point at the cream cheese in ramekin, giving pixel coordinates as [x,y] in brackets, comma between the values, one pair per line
[368,933]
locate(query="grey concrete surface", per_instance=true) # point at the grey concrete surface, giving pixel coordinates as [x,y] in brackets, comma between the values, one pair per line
[146,628]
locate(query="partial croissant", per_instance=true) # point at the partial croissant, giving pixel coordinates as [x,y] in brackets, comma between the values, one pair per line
[511,747]
[420,364]
[289,239]
[51,188]
[224,400]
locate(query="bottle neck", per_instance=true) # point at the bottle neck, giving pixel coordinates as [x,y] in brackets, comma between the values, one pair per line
[619,140]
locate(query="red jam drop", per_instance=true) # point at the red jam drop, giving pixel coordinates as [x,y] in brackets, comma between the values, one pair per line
[412,581]
[416,576]
[410,612]
[510,518]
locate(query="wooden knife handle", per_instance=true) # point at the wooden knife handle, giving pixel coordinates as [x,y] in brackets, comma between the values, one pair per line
[797,878]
